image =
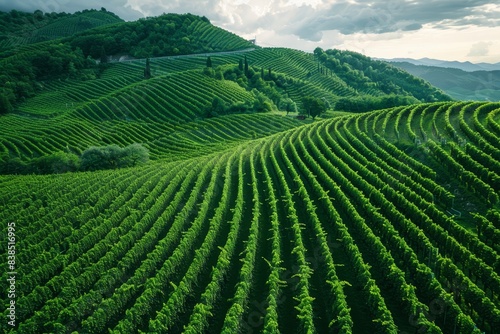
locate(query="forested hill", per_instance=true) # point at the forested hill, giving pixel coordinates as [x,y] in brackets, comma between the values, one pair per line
[345,80]
[20,28]
[26,68]
[376,78]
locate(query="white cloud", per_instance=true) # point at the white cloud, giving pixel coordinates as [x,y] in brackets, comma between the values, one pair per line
[480,49]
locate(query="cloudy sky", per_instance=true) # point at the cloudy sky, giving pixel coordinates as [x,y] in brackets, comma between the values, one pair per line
[464,30]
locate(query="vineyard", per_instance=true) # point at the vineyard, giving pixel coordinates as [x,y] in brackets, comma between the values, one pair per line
[386,221]
[29,30]
[379,222]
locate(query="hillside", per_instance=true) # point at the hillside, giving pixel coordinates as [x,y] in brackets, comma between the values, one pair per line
[287,231]
[19,28]
[459,84]
[379,214]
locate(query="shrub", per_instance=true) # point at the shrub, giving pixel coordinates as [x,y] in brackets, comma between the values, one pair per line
[113,156]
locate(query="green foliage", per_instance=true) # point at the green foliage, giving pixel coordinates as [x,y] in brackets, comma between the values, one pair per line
[262,103]
[5,102]
[113,156]
[368,76]
[20,28]
[20,75]
[246,67]
[219,107]
[313,106]
[147,70]
[288,105]
[164,35]
[55,163]
[367,103]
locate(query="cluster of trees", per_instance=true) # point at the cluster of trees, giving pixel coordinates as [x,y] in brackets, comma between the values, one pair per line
[15,22]
[314,106]
[268,88]
[366,102]
[113,156]
[18,28]
[165,35]
[365,74]
[218,107]
[22,77]
[94,158]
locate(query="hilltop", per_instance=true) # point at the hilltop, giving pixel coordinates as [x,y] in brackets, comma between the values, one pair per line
[173,188]
[19,28]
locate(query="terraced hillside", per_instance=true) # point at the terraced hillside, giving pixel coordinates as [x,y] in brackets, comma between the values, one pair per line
[243,221]
[384,222]
[121,107]
[18,29]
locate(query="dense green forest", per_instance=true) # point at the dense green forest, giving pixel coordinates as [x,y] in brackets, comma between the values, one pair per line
[204,184]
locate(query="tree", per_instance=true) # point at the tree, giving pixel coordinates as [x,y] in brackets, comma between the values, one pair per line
[147,70]
[95,158]
[262,103]
[218,105]
[56,163]
[209,62]
[216,108]
[103,56]
[288,105]
[134,154]
[5,105]
[313,106]
[113,156]
[240,65]
[246,67]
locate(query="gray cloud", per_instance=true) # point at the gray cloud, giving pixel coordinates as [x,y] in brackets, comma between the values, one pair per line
[308,22]
[119,7]
[377,16]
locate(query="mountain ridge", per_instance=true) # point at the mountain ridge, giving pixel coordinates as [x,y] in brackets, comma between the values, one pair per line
[465,66]
[462,85]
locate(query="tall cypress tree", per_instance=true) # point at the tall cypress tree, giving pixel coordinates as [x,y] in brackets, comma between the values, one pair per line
[147,70]
[246,66]
[240,65]
[104,57]
[209,62]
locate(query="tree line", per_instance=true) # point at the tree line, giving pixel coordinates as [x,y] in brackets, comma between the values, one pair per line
[93,158]
[268,87]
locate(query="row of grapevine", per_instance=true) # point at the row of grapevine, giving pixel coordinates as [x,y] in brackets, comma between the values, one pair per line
[284,230]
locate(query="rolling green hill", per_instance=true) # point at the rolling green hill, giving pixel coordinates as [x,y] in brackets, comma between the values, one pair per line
[18,28]
[245,218]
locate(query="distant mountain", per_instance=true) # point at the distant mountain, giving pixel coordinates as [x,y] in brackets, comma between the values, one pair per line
[459,84]
[464,66]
